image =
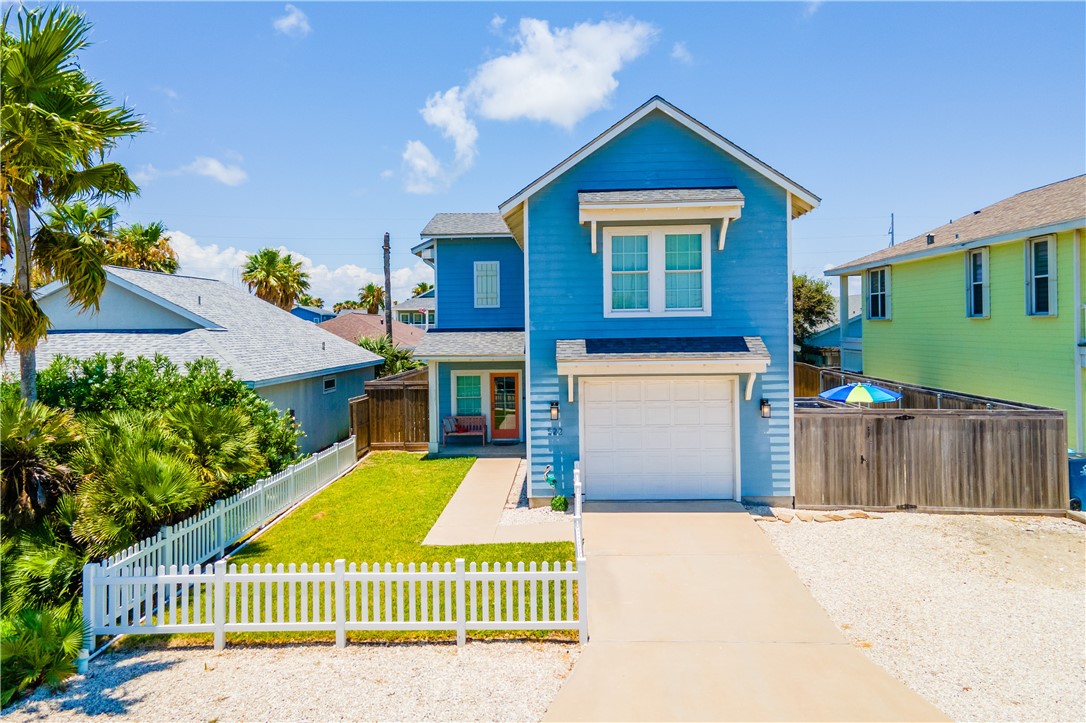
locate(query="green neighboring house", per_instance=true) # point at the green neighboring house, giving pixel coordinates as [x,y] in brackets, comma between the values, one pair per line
[988,304]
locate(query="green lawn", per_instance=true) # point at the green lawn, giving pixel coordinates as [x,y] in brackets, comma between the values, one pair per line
[381,512]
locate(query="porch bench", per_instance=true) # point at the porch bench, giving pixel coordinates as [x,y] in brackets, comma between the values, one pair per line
[464,426]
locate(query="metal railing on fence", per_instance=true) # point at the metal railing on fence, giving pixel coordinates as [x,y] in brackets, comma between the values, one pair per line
[221,598]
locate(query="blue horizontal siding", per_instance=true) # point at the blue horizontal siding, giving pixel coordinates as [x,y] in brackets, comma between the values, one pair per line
[455,276]
[750,290]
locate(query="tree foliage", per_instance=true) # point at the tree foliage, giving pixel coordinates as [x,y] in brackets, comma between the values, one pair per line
[346,305]
[421,288]
[58,126]
[812,305]
[397,359]
[308,300]
[275,277]
[372,298]
[139,246]
[35,442]
[38,646]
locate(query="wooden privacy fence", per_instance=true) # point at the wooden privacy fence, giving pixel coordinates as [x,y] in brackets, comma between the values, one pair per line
[395,412]
[209,533]
[932,460]
[222,598]
[810,380]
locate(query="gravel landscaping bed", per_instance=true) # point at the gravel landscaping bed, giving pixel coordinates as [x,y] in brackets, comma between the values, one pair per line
[481,681]
[522,514]
[982,615]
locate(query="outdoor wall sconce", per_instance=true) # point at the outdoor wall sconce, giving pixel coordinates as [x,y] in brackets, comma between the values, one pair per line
[555,414]
[767,410]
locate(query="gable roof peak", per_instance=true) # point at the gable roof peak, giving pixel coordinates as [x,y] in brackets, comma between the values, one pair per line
[804,200]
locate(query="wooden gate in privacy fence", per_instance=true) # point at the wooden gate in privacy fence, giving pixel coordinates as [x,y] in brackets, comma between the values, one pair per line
[948,460]
[394,413]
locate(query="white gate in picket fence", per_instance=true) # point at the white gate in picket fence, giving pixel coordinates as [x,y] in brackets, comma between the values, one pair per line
[221,598]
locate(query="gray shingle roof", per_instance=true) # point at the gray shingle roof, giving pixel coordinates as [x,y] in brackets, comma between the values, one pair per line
[1044,206]
[726,347]
[662,195]
[466,224]
[416,303]
[258,341]
[467,344]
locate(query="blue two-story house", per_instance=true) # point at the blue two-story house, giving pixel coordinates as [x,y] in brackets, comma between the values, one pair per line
[629,310]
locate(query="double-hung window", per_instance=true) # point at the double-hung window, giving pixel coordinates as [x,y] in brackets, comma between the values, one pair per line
[1041,276]
[487,284]
[878,293]
[656,271]
[976,284]
[469,394]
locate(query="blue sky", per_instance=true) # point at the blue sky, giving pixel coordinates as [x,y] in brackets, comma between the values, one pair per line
[318,127]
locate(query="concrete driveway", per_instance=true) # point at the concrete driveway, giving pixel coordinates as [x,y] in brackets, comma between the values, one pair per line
[694,616]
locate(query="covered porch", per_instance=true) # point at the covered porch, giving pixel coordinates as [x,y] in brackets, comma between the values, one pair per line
[477,392]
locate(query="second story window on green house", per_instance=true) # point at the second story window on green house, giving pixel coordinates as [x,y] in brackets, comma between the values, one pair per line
[878,293]
[976,284]
[1041,276]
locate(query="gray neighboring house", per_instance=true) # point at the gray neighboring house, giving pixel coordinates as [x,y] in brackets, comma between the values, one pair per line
[290,362]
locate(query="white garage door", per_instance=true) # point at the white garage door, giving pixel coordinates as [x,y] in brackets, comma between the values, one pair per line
[651,438]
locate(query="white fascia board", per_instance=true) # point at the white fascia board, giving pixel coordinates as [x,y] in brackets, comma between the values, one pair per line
[438,358]
[924,253]
[662,366]
[680,117]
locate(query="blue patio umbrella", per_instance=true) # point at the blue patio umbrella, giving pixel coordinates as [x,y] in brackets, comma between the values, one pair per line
[859,392]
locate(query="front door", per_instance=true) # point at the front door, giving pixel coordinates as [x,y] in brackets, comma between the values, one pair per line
[504,403]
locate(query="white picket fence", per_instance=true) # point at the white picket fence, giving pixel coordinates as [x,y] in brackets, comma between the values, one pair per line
[220,598]
[578,504]
[208,534]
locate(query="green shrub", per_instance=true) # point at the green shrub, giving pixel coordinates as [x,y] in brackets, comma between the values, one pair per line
[100,383]
[41,566]
[37,646]
[559,503]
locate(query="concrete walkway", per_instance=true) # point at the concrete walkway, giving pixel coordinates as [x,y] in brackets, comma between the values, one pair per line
[473,514]
[693,615]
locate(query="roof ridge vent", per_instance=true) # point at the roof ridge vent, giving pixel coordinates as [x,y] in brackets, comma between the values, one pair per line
[931,239]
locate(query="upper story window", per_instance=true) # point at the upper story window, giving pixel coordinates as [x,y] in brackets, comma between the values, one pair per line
[878,293]
[656,271]
[976,284]
[329,384]
[1041,276]
[487,275]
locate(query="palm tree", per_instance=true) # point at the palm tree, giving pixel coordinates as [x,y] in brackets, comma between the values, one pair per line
[372,297]
[275,277]
[35,441]
[58,125]
[221,443]
[140,246]
[345,305]
[397,359]
[84,230]
[308,300]
[421,288]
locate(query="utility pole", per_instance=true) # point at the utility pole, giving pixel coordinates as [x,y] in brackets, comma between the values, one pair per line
[388,291]
[891,229]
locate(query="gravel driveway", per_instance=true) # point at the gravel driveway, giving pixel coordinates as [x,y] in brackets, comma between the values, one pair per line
[982,615]
[481,681]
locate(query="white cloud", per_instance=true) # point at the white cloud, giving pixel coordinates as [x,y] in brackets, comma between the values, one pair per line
[680,53]
[496,24]
[228,174]
[294,24]
[170,93]
[231,175]
[388,173]
[557,75]
[811,8]
[331,284]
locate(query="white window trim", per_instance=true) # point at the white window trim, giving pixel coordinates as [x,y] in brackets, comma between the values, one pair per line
[887,315]
[324,385]
[657,272]
[487,400]
[1053,296]
[986,275]
[498,284]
